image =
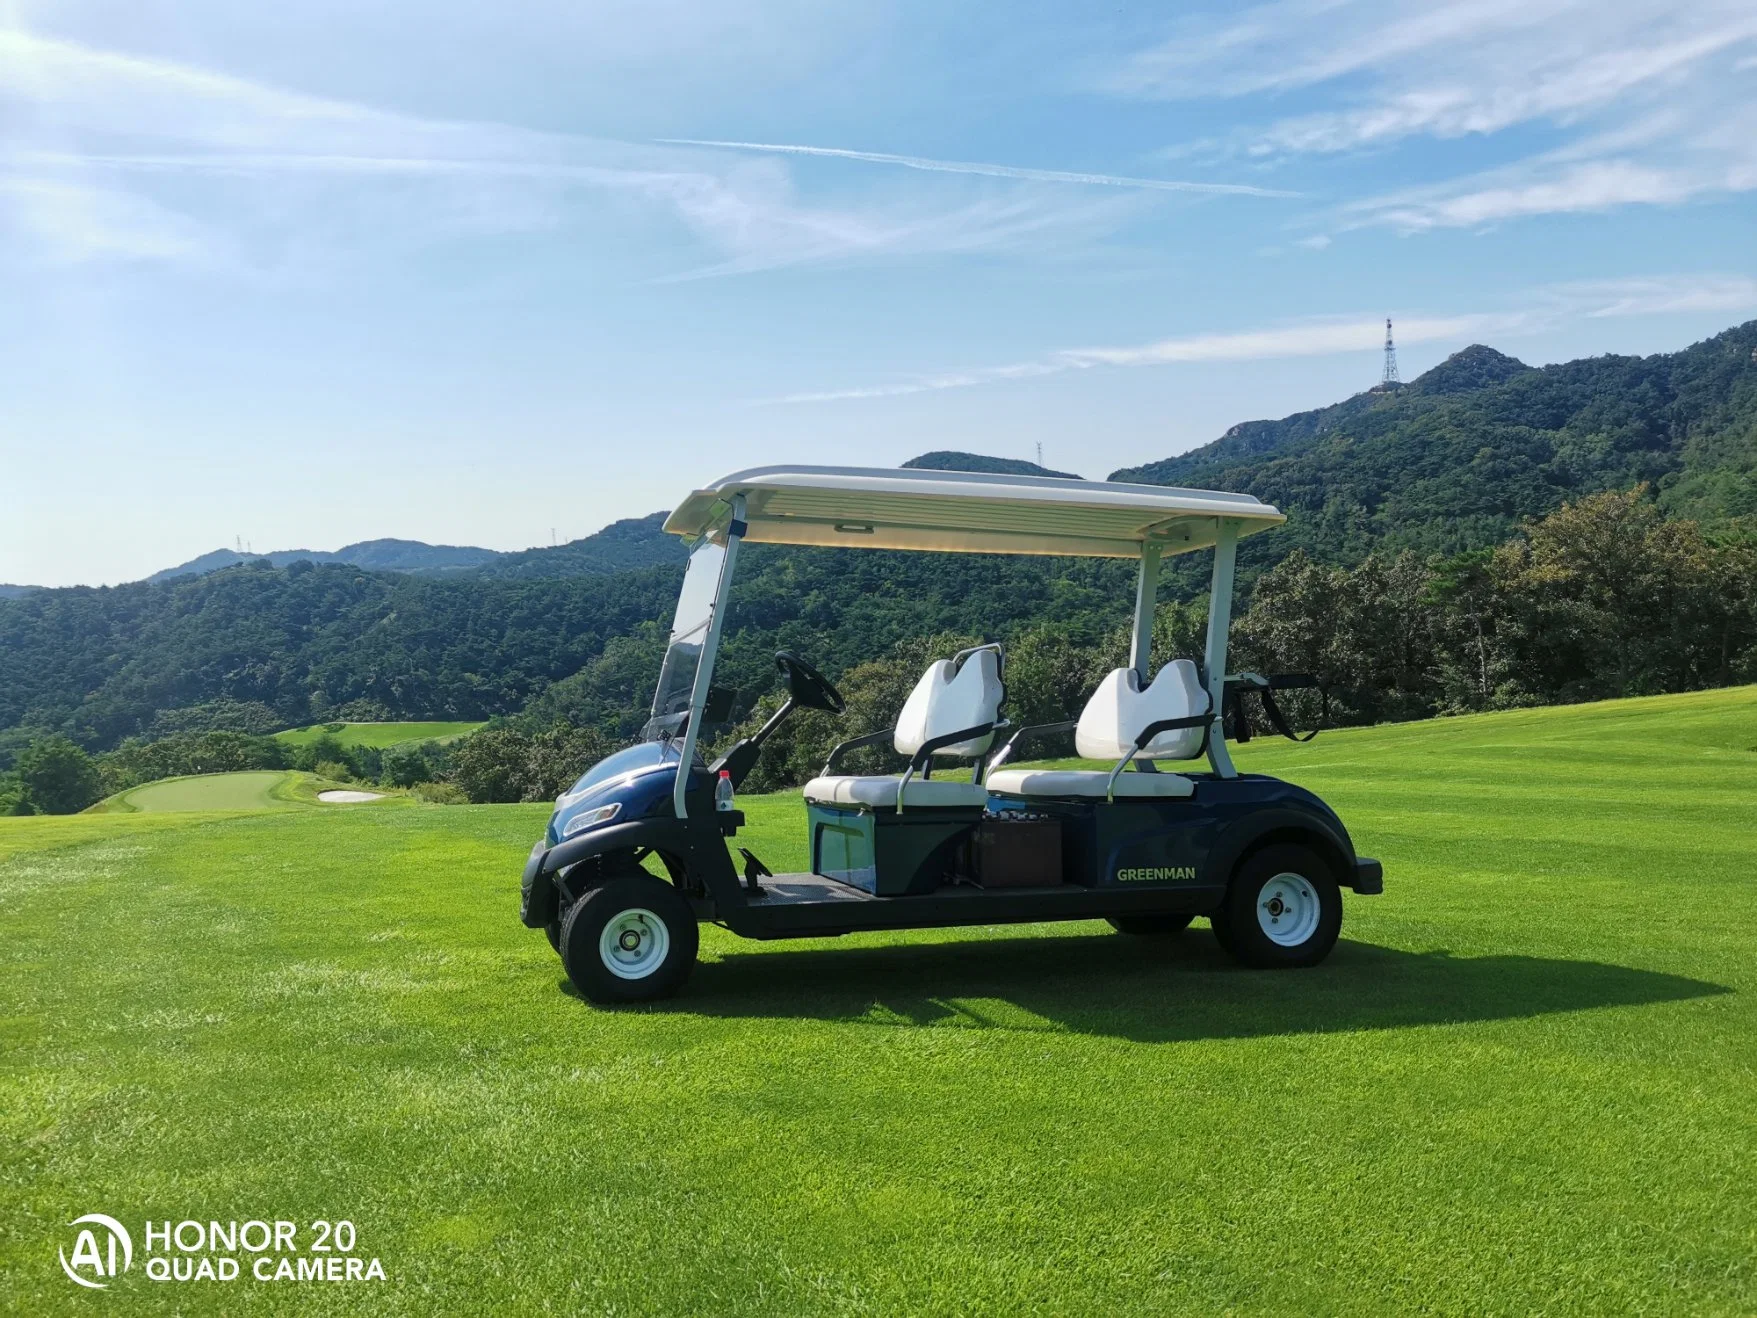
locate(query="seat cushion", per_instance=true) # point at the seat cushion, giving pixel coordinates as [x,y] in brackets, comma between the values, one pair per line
[1087,783]
[881,792]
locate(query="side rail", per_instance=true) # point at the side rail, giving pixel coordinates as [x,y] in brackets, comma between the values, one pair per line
[1023,735]
[1152,730]
[922,761]
[884,736]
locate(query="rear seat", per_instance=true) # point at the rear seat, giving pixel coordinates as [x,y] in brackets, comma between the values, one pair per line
[1111,727]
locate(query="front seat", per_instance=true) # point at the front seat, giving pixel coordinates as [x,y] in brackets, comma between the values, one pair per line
[952,713]
[1167,721]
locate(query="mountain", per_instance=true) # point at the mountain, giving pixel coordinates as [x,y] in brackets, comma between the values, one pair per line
[13,592]
[306,640]
[1455,460]
[1460,456]
[1475,367]
[952,460]
[378,555]
[635,542]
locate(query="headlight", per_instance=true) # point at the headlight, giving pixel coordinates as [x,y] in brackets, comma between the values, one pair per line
[592,818]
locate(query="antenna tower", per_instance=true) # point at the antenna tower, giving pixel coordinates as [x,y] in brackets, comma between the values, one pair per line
[1391,379]
[1040,453]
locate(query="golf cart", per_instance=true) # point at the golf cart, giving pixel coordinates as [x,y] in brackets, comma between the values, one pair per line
[1136,844]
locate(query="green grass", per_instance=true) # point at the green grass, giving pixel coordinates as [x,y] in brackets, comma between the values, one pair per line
[1524,1082]
[379,735]
[249,790]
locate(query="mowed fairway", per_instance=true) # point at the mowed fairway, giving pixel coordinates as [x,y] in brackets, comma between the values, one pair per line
[379,735]
[1524,1082]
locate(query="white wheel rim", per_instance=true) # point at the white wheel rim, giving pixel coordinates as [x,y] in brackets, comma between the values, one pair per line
[1287,910]
[634,944]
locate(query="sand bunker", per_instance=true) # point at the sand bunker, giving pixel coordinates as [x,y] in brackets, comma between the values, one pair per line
[346,798]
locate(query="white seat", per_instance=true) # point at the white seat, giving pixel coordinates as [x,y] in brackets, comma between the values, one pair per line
[879,791]
[1116,715]
[949,698]
[1086,784]
[1120,709]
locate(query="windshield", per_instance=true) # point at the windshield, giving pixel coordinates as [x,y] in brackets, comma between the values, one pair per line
[689,632]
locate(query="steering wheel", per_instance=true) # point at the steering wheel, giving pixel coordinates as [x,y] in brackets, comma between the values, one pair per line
[807,686]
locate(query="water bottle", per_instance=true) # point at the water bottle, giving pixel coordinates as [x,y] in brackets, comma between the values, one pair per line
[723,791]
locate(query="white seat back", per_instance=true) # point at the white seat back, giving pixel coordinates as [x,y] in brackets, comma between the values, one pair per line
[947,701]
[1119,710]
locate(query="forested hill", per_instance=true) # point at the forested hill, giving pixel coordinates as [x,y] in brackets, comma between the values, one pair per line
[955,460]
[1459,457]
[635,542]
[379,555]
[308,642]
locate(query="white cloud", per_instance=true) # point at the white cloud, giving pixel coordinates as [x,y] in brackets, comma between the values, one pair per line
[1588,187]
[1649,296]
[1326,336]
[994,171]
[72,221]
[120,124]
[1640,92]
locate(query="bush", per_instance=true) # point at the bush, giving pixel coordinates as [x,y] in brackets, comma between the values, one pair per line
[504,764]
[12,798]
[57,777]
[332,771]
[441,794]
[413,762]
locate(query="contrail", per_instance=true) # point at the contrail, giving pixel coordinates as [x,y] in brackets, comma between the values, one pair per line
[993,171]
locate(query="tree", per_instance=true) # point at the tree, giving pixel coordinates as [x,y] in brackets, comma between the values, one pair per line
[58,777]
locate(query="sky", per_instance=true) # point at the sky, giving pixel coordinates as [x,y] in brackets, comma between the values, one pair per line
[317,272]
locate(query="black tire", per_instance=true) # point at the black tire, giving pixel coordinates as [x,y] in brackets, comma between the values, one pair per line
[553,930]
[651,911]
[1149,926]
[1299,898]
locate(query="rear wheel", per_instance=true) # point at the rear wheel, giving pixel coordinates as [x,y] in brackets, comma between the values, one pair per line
[1150,926]
[1282,909]
[631,940]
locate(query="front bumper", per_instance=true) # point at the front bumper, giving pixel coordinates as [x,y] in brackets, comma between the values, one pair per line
[1369,876]
[538,900]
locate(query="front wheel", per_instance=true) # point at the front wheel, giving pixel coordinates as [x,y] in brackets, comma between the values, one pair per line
[631,940]
[1282,909]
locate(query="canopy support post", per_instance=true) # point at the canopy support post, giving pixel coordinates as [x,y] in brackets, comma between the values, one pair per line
[1146,598]
[1219,624]
[704,673]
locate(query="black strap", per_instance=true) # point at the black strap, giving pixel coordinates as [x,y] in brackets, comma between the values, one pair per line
[1277,720]
[1235,707]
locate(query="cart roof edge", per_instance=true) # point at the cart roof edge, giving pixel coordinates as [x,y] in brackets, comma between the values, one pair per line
[965,512]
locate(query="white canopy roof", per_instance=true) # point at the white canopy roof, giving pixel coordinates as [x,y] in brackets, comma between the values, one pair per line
[965,512]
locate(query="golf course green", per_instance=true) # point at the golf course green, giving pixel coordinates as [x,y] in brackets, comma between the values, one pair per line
[379,735]
[1525,1081]
[250,790]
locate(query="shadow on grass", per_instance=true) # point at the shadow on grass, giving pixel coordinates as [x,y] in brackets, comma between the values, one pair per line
[1156,991]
